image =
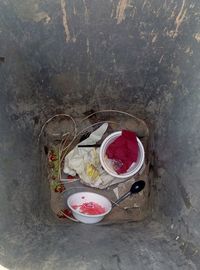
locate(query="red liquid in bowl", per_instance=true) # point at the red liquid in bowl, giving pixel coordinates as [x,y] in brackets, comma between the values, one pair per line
[90,208]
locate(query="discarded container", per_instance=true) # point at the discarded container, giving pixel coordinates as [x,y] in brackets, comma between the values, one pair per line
[107,164]
[81,198]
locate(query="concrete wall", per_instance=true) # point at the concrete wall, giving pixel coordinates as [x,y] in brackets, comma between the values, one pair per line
[73,56]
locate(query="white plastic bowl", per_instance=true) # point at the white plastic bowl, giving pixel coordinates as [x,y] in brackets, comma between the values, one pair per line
[86,197]
[106,164]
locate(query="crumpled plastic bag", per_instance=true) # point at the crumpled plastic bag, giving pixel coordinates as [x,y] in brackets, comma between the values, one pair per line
[86,163]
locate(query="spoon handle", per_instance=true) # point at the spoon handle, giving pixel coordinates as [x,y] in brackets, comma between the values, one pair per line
[121,198]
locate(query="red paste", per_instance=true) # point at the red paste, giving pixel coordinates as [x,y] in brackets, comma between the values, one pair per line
[90,208]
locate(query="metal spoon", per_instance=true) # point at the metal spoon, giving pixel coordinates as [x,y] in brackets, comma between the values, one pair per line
[135,188]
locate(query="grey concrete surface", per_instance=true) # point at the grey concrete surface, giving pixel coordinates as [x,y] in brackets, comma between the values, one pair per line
[94,247]
[74,56]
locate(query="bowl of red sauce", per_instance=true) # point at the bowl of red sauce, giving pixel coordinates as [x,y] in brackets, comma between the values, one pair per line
[89,207]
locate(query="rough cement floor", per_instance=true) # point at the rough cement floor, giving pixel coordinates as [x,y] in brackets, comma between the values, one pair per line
[136,246]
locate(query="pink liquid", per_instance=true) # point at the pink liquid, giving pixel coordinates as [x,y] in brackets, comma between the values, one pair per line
[90,208]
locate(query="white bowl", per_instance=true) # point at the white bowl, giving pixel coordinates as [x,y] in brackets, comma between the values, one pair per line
[106,164]
[86,197]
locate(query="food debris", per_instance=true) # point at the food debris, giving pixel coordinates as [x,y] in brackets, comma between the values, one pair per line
[71,178]
[52,156]
[92,171]
[59,188]
[90,208]
[64,213]
[54,166]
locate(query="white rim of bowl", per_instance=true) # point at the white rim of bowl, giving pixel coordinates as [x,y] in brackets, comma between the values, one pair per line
[127,174]
[85,215]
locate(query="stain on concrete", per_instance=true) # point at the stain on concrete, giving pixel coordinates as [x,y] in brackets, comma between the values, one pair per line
[65,20]
[179,20]
[189,51]
[39,16]
[120,12]
[30,11]
[88,46]
[86,11]
[197,37]
[2,59]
